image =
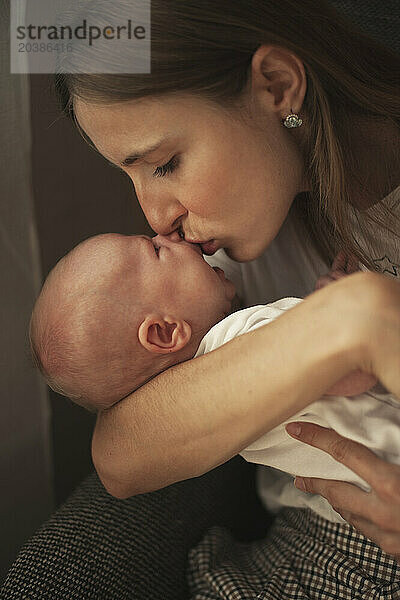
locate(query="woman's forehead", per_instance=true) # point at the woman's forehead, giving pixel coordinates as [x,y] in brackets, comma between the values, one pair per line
[142,110]
[130,127]
[103,121]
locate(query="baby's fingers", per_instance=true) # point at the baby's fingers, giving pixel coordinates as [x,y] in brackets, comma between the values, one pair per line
[323,281]
[340,262]
[352,264]
[346,263]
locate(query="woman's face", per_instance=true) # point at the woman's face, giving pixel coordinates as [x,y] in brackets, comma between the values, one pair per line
[225,178]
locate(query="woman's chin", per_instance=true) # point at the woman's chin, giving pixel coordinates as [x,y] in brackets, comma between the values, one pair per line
[241,254]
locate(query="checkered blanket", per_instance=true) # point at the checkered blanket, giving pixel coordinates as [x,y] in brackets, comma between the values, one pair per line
[303,557]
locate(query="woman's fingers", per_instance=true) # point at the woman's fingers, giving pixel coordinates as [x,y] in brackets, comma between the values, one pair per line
[376,513]
[349,498]
[351,454]
[340,495]
[378,521]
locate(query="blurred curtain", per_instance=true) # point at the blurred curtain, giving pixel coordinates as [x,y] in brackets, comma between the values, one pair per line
[26,497]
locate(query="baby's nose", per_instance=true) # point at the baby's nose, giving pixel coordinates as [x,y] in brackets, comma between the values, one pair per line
[171,237]
[174,236]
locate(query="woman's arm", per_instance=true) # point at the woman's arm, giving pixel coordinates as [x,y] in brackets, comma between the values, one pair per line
[199,414]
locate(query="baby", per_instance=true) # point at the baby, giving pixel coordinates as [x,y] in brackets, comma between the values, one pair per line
[117,310]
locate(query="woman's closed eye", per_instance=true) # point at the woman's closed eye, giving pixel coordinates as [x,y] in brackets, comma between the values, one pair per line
[168,168]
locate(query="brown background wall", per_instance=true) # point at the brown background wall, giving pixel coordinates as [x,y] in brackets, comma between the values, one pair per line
[76,194]
[26,497]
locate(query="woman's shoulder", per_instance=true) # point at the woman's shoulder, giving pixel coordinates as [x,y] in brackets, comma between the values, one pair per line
[381,243]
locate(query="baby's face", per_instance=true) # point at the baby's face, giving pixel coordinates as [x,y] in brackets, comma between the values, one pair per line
[184,281]
[162,273]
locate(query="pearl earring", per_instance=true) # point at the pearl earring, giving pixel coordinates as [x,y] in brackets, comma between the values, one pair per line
[292,120]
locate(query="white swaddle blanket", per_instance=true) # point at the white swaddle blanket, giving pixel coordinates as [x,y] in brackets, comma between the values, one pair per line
[372,418]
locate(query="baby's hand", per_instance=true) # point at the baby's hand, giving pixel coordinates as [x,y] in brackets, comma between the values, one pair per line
[344,264]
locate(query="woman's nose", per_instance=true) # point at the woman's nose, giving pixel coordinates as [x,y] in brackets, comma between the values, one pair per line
[162,213]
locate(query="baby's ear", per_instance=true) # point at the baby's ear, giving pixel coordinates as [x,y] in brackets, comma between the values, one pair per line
[164,334]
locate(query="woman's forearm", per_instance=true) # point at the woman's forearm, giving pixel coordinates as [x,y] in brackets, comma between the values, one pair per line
[200,413]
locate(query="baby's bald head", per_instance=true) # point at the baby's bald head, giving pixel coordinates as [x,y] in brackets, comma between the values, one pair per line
[84,325]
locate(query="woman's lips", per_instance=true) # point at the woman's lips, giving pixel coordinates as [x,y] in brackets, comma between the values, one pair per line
[207,248]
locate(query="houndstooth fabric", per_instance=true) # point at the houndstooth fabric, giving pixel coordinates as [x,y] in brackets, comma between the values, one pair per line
[303,557]
[96,547]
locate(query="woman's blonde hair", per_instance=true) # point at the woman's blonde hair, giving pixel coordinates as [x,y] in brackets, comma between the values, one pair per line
[205,48]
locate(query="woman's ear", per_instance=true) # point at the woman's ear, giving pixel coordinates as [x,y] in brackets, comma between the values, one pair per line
[164,334]
[282,74]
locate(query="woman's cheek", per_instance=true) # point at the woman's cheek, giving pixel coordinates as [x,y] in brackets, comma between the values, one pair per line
[205,199]
[208,190]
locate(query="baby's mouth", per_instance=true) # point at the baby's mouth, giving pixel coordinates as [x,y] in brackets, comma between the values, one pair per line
[197,248]
[220,273]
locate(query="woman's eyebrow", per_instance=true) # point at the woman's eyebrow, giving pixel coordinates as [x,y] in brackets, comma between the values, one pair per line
[135,156]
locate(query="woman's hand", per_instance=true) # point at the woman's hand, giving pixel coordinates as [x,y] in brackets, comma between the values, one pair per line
[376,513]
